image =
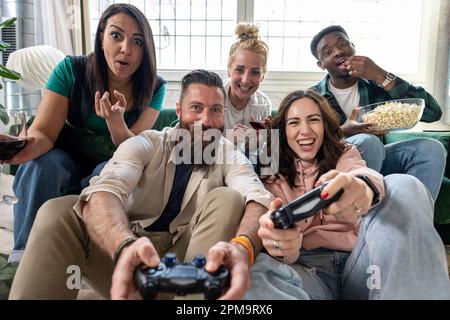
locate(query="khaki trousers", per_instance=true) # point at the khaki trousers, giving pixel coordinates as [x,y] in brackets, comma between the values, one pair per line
[59,244]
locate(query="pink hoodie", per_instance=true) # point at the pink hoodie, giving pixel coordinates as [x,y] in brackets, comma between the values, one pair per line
[321,230]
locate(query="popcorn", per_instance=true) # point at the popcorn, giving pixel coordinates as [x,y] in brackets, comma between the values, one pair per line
[394,115]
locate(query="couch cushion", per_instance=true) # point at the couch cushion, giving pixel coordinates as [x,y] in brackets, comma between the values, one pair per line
[167,118]
[442,205]
[443,137]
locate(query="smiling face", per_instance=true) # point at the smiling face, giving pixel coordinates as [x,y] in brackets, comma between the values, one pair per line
[203,105]
[246,73]
[123,46]
[333,50]
[201,108]
[304,129]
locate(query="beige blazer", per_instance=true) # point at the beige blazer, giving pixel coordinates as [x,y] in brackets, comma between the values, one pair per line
[141,173]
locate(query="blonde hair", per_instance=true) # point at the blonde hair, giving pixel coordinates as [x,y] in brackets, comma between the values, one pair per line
[249,39]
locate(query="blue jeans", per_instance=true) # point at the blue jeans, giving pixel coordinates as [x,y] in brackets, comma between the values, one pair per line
[53,174]
[422,158]
[398,255]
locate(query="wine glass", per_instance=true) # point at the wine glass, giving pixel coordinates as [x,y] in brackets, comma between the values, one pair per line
[13,133]
[257,112]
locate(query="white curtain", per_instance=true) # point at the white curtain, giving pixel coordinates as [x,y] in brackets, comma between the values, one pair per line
[442,71]
[55,24]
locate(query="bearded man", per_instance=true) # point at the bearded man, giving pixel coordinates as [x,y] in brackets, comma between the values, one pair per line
[154,196]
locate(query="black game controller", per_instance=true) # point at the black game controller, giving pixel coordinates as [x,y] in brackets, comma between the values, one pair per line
[181,278]
[302,208]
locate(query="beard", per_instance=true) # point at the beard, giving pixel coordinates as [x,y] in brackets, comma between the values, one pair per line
[201,142]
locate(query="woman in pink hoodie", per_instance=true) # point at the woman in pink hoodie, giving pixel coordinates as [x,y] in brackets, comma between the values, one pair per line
[366,244]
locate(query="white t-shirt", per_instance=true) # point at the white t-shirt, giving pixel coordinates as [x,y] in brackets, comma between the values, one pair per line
[233,116]
[347,98]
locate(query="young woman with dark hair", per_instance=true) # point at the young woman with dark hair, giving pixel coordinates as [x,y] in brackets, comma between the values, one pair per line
[377,241]
[90,105]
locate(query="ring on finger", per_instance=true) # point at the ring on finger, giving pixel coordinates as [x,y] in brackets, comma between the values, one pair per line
[356,207]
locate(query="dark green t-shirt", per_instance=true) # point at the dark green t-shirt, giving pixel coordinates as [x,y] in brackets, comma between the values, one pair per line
[62,80]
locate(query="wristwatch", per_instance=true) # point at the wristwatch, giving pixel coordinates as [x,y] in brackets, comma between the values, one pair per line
[389,78]
[376,193]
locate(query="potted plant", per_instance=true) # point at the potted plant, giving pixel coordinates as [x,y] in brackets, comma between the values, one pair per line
[4,71]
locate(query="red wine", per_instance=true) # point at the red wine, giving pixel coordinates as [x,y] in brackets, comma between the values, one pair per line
[9,146]
[256,125]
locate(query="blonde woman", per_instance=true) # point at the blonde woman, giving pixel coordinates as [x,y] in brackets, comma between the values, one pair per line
[247,65]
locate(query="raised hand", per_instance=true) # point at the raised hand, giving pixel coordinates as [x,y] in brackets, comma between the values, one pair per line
[104,109]
[364,67]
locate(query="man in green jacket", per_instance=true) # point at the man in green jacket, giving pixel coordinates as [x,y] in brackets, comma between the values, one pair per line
[354,81]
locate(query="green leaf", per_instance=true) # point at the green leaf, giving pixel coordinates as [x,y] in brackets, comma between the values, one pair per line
[8,23]
[4,117]
[10,74]
[4,46]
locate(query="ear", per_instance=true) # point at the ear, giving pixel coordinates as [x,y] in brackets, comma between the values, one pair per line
[178,110]
[319,64]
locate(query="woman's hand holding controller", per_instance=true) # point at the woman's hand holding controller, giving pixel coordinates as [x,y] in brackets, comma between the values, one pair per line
[354,202]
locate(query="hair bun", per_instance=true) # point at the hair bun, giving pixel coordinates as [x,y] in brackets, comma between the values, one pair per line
[245,31]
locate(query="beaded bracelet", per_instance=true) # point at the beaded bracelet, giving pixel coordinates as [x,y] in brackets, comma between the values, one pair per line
[125,243]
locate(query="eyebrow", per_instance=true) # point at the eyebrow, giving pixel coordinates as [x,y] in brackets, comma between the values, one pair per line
[121,30]
[201,104]
[308,116]
[338,39]
[242,66]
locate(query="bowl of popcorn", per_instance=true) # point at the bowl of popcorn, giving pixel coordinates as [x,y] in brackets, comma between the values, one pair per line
[401,114]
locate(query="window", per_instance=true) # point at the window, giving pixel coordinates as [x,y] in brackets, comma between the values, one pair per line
[375,27]
[187,33]
[396,34]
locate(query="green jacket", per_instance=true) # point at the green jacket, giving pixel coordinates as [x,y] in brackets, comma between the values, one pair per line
[370,92]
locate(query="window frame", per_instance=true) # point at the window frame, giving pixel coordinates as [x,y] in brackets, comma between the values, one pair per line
[286,81]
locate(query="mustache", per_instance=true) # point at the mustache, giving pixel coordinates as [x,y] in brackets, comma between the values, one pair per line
[197,126]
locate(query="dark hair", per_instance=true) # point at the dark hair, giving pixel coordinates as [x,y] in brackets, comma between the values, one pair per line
[315,40]
[332,147]
[201,76]
[144,78]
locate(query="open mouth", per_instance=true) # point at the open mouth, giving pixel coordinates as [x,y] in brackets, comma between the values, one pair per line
[245,88]
[340,63]
[306,142]
[122,63]
[306,145]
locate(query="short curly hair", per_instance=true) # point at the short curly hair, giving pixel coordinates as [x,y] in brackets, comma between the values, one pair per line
[315,40]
